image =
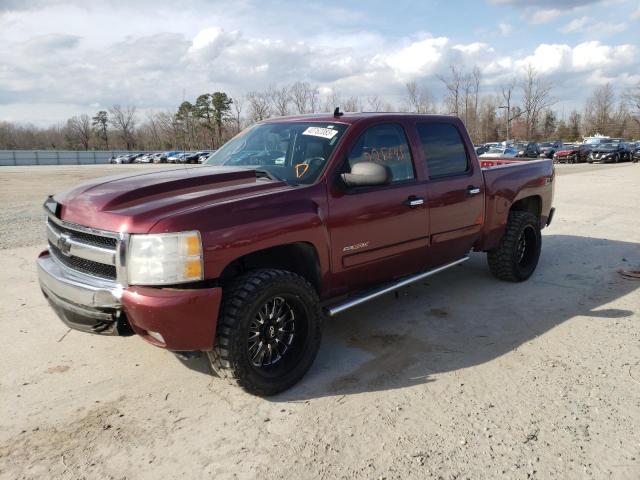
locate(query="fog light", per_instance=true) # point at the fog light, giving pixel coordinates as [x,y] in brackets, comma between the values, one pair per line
[156,335]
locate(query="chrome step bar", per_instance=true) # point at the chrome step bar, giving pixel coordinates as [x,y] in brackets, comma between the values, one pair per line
[390,288]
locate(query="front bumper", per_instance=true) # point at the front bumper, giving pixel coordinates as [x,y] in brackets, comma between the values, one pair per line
[177,319]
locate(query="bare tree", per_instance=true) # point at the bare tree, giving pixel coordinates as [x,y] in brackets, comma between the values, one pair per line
[488,120]
[259,106]
[375,104]
[599,109]
[506,96]
[280,98]
[80,130]
[332,101]
[238,105]
[633,98]
[304,97]
[452,84]
[419,99]
[574,125]
[536,96]
[476,78]
[352,104]
[153,128]
[123,120]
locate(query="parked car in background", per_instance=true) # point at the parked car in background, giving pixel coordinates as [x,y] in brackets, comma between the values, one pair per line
[120,159]
[159,157]
[547,149]
[195,156]
[628,151]
[608,153]
[480,149]
[500,152]
[635,152]
[596,140]
[527,150]
[572,153]
[206,155]
[182,157]
[144,158]
[173,157]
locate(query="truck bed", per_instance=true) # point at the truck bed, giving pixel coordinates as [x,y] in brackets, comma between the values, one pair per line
[506,182]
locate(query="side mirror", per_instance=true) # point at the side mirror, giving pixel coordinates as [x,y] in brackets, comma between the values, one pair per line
[366,174]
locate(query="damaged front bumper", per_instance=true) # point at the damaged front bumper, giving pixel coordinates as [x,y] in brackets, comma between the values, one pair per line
[181,319]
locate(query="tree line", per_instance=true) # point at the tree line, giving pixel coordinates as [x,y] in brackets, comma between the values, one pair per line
[521,108]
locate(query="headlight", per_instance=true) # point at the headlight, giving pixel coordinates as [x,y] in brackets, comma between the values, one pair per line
[165,259]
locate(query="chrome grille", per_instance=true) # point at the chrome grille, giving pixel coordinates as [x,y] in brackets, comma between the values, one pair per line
[91,239]
[88,267]
[83,250]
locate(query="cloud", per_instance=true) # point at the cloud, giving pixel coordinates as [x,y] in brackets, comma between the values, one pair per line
[538,12]
[576,24]
[418,58]
[50,43]
[545,3]
[545,15]
[211,42]
[505,29]
[584,57]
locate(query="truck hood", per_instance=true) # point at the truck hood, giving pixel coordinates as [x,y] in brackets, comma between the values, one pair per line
[134,203]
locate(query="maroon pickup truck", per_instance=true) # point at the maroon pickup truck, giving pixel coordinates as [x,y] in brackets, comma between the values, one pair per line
[293,219]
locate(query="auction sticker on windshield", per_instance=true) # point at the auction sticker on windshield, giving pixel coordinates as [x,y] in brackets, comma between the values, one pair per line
[327,133]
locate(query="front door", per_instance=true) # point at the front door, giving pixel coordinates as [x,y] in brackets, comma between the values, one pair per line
[378,233]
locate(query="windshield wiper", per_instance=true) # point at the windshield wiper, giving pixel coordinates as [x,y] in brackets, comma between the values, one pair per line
[261,173]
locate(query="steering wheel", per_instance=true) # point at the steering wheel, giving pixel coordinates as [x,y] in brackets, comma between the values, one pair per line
[308,164]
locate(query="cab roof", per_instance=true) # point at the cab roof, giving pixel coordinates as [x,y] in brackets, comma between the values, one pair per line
[355,117]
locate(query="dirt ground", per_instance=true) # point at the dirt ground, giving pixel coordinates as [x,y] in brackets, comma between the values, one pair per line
[462,376]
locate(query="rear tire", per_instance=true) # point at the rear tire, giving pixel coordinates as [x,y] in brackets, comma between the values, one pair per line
[268,331]
[517,257]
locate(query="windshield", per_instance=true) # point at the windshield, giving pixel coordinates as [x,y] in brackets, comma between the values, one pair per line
[496,150]
[593,141]
[292,151]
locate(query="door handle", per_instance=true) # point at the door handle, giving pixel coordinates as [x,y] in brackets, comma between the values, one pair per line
[413,201]
[471,190]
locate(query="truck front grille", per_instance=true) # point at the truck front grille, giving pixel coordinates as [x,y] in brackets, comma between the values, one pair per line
[86,251]
[89,238]
[88,267]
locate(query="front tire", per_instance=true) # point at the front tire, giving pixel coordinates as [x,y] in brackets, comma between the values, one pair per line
[268,332]
[517,257]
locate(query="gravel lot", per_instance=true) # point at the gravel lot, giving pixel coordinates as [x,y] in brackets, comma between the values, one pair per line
[462,376]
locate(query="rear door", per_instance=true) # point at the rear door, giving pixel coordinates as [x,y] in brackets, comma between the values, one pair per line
[455,190]
[382,232]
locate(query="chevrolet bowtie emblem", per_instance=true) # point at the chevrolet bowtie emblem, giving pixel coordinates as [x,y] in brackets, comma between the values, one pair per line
[64,244]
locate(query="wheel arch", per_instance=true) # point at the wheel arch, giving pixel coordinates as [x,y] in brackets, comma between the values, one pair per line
[531,204]
[299,257]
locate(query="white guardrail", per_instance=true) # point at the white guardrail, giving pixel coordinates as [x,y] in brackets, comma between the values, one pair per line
[57,157]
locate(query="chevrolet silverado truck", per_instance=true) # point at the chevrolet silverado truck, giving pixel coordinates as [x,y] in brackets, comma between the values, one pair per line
[294,219]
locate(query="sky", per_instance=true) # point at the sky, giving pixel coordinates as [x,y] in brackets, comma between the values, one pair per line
[62,58]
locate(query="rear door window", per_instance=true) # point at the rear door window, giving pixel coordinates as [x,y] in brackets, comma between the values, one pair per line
[443,149]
